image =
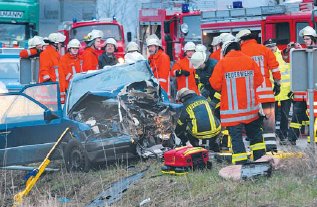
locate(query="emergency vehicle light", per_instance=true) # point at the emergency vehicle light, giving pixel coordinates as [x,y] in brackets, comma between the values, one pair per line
[185,8]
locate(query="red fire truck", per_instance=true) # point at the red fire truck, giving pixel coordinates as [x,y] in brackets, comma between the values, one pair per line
[174,28]
[110,28]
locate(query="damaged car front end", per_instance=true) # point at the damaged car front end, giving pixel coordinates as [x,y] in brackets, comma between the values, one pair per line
[127,111]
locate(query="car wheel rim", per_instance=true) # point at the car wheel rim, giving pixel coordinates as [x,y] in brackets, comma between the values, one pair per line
[76,159]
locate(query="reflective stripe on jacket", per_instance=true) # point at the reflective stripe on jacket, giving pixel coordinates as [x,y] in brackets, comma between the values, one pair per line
[185,81]
[237,82]
[267,62]
[160,64]
[197,118]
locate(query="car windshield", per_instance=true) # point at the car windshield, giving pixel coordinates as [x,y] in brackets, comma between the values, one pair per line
[109,30]
[11,32]
[194,33]
[108,79]
[9,69]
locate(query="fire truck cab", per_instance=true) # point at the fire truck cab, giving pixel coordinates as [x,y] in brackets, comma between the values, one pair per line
[110,28]
[174,28]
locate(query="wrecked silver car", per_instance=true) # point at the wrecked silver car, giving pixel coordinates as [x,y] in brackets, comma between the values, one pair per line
[127,111]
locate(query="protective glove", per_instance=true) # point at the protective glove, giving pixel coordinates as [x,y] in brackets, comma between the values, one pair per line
[291,95]
[277,88]
[182,72]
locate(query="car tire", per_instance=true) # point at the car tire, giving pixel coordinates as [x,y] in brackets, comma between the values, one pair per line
[75,157]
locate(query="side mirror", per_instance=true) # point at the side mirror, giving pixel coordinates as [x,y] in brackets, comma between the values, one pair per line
[167,27]
[129,36]
[49,115]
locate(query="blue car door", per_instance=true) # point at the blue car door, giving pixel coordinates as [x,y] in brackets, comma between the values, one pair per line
[25,134]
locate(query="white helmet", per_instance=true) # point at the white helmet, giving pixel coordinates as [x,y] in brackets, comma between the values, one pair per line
[132,57]
[201,48]
[111,41]
[198,59]
[183,92]
[56,37]
[153,40]
[189,46]
[242,33]
[227,37]
[307,31]
[74,43]
[94,34]
[132,46]
[216,41]
[36,40]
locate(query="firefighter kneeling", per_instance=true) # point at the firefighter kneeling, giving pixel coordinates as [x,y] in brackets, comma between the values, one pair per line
[196,120]
[237,76]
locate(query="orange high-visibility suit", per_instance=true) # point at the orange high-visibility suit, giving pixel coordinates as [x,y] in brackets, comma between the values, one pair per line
[239,102]
[90,59]
[185,81]
[216,54]
[71,64]
[160,64]
[49,69]
[267,62]
[29,53]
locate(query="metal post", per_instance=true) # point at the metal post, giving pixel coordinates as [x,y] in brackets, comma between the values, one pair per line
[310,90]
[33,71]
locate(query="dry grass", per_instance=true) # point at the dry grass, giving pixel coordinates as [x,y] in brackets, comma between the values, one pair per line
[294,184]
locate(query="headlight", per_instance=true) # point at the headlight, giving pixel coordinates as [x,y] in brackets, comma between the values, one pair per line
[184,28]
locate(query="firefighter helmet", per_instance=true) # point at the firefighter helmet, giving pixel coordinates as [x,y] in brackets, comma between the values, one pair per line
[229,45]
[132,46]
[111,41]
[307,31]
[201,48]
[227,37]
[56,37]
[94,34]
[216,41]
[153,40]
[242,33]
[183,92]
[198,59]
[74,43]
[189,46]
[36,40]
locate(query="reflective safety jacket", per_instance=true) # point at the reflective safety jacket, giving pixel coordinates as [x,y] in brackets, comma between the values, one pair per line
[71,65]
[160,64]
[49,69]
[185,81]
[267,62]
[197,118]
[216,55]
[237,82]
[285,71]
[30,53]
[90,59]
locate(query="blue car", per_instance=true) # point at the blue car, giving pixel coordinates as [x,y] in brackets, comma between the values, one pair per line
[115,113]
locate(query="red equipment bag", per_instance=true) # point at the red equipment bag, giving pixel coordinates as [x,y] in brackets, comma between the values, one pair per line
[182,159]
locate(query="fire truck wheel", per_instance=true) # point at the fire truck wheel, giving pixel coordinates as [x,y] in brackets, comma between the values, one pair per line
[76,158]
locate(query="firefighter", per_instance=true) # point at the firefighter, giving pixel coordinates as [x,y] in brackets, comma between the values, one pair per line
[184,71]
[196,120]
[268,64]
[239,104]
[300,117]
[108,57]
[71,63]
[90,54]
[283,100]
[159,62]
[132,53]
[223,37]
[49,61]
[35,47]
[216,48]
